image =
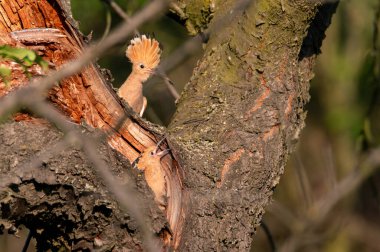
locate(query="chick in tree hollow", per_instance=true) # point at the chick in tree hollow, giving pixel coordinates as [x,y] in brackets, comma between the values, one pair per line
[144,53]
[150,163]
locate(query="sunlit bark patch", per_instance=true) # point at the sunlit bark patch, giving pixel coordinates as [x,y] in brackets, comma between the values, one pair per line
[233,158]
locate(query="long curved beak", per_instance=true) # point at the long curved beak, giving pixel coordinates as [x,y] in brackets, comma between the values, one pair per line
[163,153]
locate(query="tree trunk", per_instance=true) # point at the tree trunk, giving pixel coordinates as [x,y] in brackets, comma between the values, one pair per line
[241,115]
[237,121]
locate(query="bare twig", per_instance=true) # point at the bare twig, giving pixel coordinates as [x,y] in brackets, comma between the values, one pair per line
[169,84]
[322,207]
[119,11]
[331,180]
[269,236]
[303,180]
[108,25]
[177,10]
[27,242]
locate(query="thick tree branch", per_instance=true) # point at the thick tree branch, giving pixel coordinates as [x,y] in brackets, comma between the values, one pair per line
[240,117]
[64,199]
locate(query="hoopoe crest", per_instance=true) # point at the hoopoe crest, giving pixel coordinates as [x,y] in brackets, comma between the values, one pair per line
[144,53]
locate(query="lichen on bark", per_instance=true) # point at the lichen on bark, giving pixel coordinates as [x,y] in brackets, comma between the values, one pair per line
[195,14]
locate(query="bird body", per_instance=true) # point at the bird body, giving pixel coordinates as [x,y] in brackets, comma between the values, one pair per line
[144,54]
[150,163]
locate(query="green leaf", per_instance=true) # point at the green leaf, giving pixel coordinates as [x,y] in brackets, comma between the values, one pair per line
[42,63]
[5,72]
[25,57]
[20,54]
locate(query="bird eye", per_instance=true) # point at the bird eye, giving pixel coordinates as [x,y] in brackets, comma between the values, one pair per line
[151,153]
[142,66]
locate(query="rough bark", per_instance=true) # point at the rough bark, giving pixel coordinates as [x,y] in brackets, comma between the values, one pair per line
[237,120]
[86,97]
[241,114]
[63,201]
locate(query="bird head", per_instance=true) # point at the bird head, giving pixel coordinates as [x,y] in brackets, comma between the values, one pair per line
[151,156]
[144,53]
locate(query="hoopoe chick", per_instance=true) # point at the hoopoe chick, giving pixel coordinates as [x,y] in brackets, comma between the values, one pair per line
[144,53]
[150,163]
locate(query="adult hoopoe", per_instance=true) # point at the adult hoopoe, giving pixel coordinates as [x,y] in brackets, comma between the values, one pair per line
[144,53]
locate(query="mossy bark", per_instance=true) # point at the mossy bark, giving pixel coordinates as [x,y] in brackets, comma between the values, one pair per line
[241,115]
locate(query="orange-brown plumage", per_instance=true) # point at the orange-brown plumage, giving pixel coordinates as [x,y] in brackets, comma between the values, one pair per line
[144,53]
[150,163]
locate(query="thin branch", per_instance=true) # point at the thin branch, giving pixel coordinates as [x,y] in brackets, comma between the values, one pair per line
[108,25]
[169,84]
[119,11]
[27,242]
[303,180]
[177,10]
[269,236]
[322,207]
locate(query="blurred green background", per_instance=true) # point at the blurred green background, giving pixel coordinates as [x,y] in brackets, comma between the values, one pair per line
[342,125]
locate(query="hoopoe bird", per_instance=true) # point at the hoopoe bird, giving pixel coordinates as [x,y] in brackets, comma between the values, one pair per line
[150,163]
[144,54]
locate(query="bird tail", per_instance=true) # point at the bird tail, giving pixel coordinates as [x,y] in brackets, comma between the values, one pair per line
[144,50]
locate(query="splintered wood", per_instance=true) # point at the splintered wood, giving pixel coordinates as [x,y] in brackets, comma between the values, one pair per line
[86,97]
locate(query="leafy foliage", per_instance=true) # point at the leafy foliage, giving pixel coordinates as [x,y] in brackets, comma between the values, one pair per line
[5,72]
[24,57]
